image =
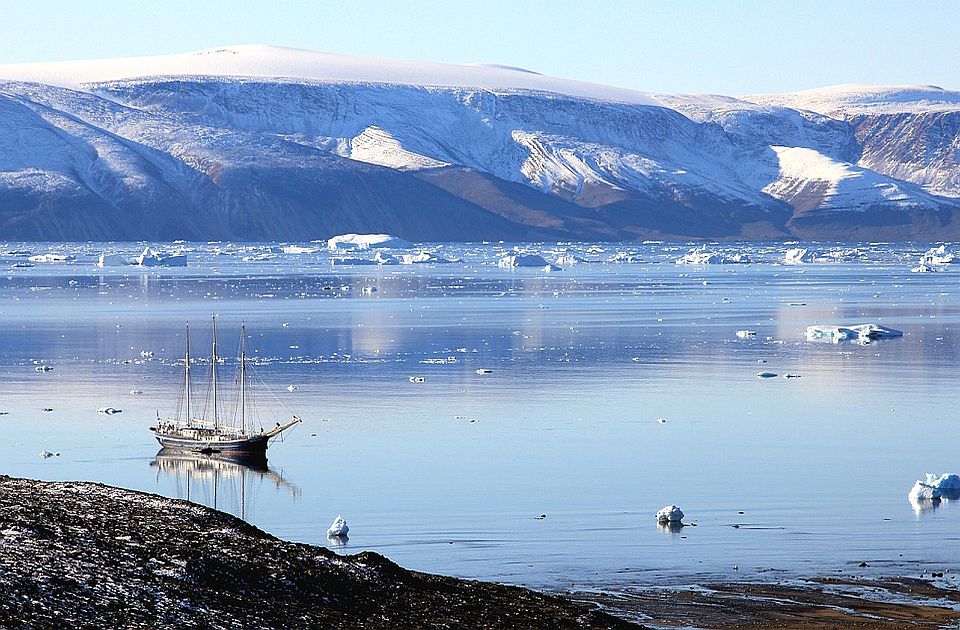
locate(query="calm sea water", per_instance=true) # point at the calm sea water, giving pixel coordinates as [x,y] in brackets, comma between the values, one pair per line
[548,470]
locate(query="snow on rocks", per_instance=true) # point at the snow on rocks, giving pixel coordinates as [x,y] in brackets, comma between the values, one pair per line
[669,514]
[338,528]
[366,241]
[701,256]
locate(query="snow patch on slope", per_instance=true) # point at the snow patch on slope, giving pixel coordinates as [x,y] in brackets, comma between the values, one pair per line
[810,180]
[376,146]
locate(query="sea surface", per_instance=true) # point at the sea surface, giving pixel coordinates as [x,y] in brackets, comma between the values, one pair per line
[614,388]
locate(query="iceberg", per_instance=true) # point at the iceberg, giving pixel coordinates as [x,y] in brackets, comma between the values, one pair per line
[858,331]
[112,260]
[51,258]
[152,258]
[934,486]
[800,256]
[511,261]
[338,528]
[746,334]
[423,257]
[936,256]
[700,256]
[669,514]
[366,241]
[297,249]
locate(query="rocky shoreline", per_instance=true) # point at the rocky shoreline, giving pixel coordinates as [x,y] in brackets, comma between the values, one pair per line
[87,555]
[77,554]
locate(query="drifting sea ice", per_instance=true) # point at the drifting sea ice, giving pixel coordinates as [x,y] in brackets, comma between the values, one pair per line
[423,257]
[832,333]
[152,258]
[366,241]
[700,256]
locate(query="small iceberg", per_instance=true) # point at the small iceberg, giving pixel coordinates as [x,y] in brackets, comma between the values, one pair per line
[112,260]
[366,241]
[935,487]
[511,261]
[937,257]
[746,334]
[48,454]
[299,249]
[109,410]
[338,528]
[800,256]
[863,332]
[669,514]
[423,257]
[51,258]
[701,256]
[152,258]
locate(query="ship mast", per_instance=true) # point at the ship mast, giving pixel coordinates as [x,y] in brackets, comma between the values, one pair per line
[243,377]
[186,374]
[216,420]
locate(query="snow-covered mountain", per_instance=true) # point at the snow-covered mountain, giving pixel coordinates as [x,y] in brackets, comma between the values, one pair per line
[255,142]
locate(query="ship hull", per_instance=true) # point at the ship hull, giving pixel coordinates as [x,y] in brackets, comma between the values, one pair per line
[254,445]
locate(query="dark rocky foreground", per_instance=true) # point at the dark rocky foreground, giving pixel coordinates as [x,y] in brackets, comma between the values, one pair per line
[87,555]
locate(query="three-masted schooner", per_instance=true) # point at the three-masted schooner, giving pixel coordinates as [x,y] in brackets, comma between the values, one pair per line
[212,435]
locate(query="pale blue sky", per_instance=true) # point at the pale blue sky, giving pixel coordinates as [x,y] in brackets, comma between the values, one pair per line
[733,47]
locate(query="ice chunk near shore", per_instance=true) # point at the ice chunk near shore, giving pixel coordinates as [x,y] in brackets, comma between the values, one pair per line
[338,528]
[366,241]
[152,258]
[669,514]
[511,261]
[700,256]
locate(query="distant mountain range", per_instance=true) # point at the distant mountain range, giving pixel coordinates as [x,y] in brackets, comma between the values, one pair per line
[266,143]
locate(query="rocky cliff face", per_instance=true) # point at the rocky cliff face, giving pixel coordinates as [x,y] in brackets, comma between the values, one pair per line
[207,154]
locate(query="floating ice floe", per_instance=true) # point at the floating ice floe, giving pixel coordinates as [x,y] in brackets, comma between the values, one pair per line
[858,331]
[568,260]
[366,241]
[299,249]
[152,258]
[484,371]
[136,392]
[669,514]
[766,375]
[746,334]
[700,256]
[511,261]
[43,368]
[385,259]
[338,528]
[51,258]
[922,268]
[417,379]
[48,454]
[423,257]
[353,261]
[109,410]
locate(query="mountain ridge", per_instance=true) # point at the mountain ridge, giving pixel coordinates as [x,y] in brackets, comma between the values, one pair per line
[507,155]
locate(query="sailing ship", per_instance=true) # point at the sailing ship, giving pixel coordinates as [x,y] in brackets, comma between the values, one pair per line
[213,434]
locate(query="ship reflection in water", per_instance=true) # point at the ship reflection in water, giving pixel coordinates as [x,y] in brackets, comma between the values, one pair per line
[224,482]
